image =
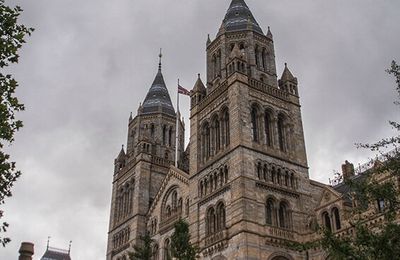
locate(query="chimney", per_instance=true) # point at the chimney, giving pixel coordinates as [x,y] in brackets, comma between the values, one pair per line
[347,170]
[26,251]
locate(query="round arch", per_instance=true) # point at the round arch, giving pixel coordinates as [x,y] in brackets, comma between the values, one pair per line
[280,256]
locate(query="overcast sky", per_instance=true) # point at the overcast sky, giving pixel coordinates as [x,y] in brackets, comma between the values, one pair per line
[90,63]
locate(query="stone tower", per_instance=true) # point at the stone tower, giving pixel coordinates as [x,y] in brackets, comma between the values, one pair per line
[247,150]
[140,169]
[243,183]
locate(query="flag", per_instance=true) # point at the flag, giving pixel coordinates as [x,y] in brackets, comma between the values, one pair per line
[183,91]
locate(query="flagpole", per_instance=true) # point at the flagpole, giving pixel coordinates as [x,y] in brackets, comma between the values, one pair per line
[177,126]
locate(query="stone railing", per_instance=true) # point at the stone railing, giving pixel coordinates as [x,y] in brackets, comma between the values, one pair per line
[281,233]
[276,92]
[161,161]
[216,237]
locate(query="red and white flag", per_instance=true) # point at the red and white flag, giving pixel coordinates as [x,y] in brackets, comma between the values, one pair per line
[183,91]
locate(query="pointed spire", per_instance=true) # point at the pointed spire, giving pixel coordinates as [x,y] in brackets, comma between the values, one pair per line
[199,85]
[208,40]
[48,242]
[130,117]
[287,75]
[269,33]
[159,63]
[69,248]
[157,98]
[121,154]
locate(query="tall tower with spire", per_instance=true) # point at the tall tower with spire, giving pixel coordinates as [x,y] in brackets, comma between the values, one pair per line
[243,183]
[140,169]
[247,150]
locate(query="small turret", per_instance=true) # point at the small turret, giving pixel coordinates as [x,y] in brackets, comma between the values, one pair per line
[237,61]
[198,92]
[288,82]
[269,34]
[120,160]
[208,40]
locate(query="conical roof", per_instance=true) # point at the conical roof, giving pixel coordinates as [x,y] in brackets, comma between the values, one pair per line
[158,99]
[287,75]
[239,17]
[199,86]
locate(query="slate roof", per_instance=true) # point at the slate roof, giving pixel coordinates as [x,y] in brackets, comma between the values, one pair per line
[56,254]
[158,99]
[239,17]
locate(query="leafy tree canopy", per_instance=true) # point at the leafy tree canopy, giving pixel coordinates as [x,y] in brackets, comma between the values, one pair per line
[381,241]
[181,247]
[144,249]
[12,37]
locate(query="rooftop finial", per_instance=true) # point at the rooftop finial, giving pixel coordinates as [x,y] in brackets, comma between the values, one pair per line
[198,75]
[69,249]
[285,65]
[48,242]
[159,63]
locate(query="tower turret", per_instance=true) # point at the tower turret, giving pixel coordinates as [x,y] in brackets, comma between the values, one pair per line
[288,82]
[198,92]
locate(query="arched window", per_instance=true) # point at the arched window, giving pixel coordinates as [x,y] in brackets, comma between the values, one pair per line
[164,135]
[335,213]
[206,142]
[226,127]
[168,211]
[269,211]
[292,181]
[174,200]
[155,252]
[221,217]
[167,249]
[273,173]
[268,135]
[214,67]
[284,217]
[216,134]
[210,221]
[279,177]
[201,189]
[187,207]
[257,54]
[281,133]
[259,171]
[152,131]
[170,137]
[263,58]
[326,220]
[287,179]
[254,123]
[381,205]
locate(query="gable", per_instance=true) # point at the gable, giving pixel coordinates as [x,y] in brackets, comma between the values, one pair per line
[328,196]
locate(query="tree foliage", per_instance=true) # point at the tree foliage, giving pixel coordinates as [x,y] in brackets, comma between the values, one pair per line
[181,248]
[382,240]
[12,37]
[143,250]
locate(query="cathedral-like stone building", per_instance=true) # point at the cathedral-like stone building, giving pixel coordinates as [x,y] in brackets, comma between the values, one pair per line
[242,183]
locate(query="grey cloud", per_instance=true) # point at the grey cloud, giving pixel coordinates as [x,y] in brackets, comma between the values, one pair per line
[90,63]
